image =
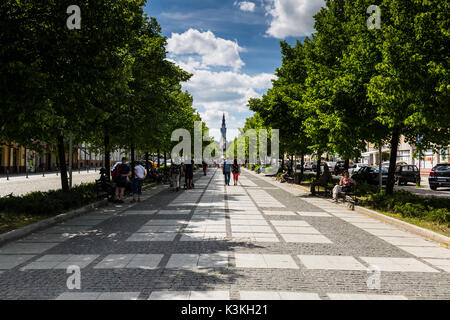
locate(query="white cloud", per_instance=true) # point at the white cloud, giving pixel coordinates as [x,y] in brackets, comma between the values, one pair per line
[206,49]
[292,18]
[216,88]
[245,6]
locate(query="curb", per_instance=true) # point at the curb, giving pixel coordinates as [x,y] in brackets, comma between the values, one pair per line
[37,226]
[428,234]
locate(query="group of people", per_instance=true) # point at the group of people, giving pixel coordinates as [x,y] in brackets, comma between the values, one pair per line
[122,172]
[179,170]
[231,168]
[345,184]
[121,175]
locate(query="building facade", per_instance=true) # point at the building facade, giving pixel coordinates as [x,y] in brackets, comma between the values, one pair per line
[406,153]
[15,159]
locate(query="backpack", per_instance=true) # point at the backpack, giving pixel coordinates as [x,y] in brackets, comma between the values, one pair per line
[235,168]
[115,174]
[176,169]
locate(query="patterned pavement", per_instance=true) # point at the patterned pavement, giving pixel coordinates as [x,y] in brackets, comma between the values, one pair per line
[258,240]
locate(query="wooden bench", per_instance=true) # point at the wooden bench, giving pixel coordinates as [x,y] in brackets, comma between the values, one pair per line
[105,188]
[328,190]
[349,197]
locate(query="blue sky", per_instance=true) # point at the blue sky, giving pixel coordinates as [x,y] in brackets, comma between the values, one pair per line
[231,47]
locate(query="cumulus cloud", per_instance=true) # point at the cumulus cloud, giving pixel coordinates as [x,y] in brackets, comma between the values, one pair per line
[292,18]
[217,88]
[206,49]
[245,6]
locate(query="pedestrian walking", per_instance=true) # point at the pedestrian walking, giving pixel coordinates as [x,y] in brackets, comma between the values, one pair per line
[205,167]
[176,172]
[121,179]
[189,174]
[236,169]
[227,171]
[140,175]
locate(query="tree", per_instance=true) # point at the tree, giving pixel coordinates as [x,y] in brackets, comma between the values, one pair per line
[411,86]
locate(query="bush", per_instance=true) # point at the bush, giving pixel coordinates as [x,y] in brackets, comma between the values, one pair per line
[410,205]
[51,202]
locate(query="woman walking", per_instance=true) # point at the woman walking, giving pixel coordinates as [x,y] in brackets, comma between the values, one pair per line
[236,169]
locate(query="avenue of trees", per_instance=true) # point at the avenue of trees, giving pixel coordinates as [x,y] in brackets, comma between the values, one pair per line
[348,85]
[107,84]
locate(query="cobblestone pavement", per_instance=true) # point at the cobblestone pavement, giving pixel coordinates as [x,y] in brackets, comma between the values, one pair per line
[20,185]
[257,240]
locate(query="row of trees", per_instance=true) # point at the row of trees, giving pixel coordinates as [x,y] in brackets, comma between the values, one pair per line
[107,84]
[347,85]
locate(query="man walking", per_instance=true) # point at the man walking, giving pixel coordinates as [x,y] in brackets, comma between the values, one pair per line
[123,172]
[140,175]
[189,174]
[227,171]
[175,172]
[205,167]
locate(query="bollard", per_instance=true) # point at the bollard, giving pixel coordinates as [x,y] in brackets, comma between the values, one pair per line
[7,174]
[27,172]
[43,173]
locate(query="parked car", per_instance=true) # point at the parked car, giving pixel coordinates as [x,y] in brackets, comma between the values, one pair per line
[309,165]
[386,164]
[356,167]
[371,175]
[439,176]
[331,165]
[406,173]
[339,167]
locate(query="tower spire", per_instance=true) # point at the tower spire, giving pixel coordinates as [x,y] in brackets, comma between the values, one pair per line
[223,130]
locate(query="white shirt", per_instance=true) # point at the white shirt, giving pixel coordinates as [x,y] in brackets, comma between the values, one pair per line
[140,171]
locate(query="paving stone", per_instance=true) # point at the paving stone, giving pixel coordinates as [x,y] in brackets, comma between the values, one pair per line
[426,252]
[139,212]
[272,261]
[26,248]
[290,223]
[398,264]
[314,214]
[11,261]
[60,261]
[278,295]
[412,241]
[305,238]
[443,264]
[360,296]
[280,213]
[331,262]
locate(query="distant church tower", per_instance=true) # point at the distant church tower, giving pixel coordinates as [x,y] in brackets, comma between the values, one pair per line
[223,130]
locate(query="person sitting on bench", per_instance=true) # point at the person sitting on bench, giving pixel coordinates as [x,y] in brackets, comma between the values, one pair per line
[345,185]
[323,180]
[284,176]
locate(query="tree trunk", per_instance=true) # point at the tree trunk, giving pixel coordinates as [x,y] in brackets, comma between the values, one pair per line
[159,156]
[395,140]
[302,170]
[319,160]
[147,164]
[132,161]
[107,157]
[63,165]
[165,159]
[346,164]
